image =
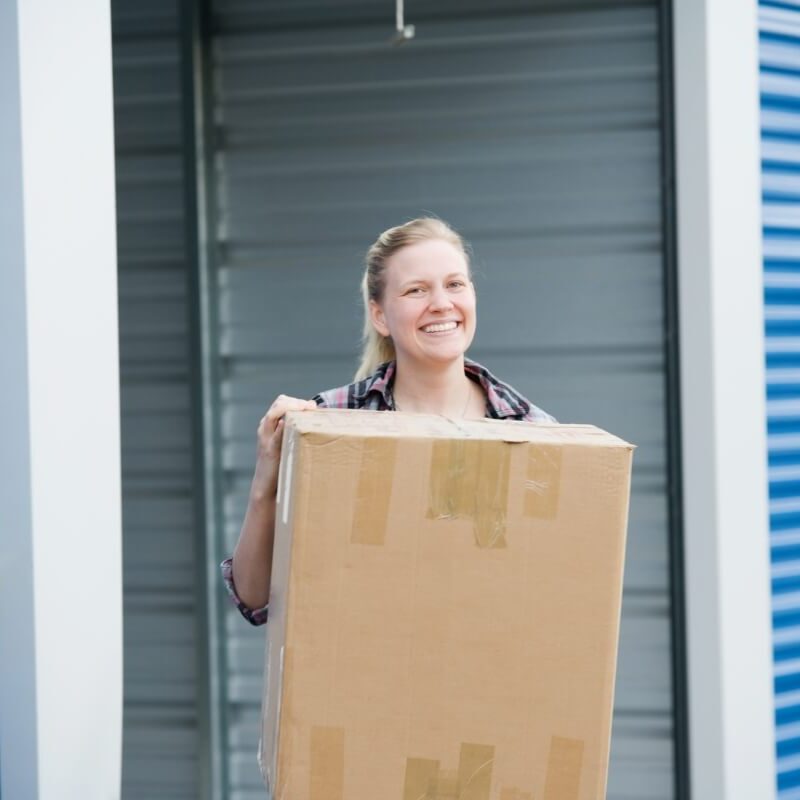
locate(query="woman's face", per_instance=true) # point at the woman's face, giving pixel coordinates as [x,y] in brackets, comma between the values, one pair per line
[428,305]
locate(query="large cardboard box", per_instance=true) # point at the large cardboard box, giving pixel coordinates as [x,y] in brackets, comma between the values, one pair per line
[445,609]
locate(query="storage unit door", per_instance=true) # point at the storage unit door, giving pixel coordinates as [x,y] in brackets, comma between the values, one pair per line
[780,123]
[160,737]
[535,129]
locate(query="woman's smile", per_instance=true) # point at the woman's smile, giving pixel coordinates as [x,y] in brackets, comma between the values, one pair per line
[441,327]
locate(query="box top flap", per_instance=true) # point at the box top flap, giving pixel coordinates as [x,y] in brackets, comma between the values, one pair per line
[398,424]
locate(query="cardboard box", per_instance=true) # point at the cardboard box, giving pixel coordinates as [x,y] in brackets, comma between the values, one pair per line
[445,609]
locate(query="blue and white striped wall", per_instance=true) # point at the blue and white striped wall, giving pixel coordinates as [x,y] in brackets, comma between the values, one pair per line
[779,55]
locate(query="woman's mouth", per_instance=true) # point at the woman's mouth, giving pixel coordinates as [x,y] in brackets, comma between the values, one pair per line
[440,328]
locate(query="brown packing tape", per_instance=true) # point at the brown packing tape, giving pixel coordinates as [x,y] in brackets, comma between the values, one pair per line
[475,771]
[421,775]
[542,481]
[374,491]
[327,764]
[491,495]
[425,780]
[446,785]
[563,769]
[446,472]
[512,793]
[469,480]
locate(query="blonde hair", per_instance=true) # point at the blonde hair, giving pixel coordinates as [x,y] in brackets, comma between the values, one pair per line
[377,349]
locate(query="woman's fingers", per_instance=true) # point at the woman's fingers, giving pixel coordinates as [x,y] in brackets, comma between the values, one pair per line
[268,427]
[283,404]
[270,438]
[276,440]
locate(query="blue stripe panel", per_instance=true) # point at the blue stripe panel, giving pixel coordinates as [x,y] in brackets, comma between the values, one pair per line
[779,36]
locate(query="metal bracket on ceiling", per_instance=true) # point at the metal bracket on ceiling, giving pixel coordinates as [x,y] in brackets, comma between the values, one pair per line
[404,32]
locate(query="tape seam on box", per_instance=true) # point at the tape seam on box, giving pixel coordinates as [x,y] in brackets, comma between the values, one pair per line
[327,763]
[563,769]
[373,491]
[426,780]
[469,480]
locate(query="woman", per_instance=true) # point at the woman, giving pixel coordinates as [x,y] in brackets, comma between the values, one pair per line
[419,309]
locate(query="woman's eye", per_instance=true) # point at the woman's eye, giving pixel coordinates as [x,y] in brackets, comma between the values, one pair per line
[457,284]
[415,290]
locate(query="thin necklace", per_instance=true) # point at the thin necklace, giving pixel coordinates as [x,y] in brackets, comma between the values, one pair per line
[469,393]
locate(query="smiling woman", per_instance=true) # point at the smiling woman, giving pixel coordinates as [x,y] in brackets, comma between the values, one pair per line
[419,320]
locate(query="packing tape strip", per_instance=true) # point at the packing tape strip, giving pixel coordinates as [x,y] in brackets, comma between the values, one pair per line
[446,786]
[542,481]
[469,479]
[327,763]
[374,491]
[563,769]
[491,494]
[512,793]
[421,777]
[425,780]
[475,771]
[452,480]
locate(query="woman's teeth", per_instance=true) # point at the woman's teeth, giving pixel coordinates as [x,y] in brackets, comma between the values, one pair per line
[443,326]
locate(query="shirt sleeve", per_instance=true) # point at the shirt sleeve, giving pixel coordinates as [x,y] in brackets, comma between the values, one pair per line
[256,616]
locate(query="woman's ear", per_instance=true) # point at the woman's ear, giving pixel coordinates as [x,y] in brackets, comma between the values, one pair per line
[378,319]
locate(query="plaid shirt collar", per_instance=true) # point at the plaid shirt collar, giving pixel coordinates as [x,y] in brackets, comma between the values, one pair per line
[503,401]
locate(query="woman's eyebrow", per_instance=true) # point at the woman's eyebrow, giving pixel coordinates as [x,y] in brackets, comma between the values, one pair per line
[413,281]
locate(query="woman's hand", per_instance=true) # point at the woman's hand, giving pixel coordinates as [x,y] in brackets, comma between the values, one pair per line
[252,558]
[270,439]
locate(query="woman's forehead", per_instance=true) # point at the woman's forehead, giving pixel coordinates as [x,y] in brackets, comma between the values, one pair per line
[432,258]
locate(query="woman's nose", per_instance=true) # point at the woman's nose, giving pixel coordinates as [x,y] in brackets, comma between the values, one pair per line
[440,300]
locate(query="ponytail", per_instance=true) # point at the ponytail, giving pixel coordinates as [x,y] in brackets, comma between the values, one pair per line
[375,348]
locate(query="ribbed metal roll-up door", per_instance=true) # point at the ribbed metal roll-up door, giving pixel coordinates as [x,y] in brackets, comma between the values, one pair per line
[780,124]
[534,128]
[160,717]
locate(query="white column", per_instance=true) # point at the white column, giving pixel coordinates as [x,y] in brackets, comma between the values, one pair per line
[60,518]
[726,522]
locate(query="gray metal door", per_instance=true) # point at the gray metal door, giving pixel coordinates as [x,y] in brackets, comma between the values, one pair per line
[535,130]
[160,737]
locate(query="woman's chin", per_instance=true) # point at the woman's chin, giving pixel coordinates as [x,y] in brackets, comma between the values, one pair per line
[443,356]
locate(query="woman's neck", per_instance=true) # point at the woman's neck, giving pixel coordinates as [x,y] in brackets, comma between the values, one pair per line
[441,389]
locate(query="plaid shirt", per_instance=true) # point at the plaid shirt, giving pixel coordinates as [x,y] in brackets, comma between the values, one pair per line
[375,393]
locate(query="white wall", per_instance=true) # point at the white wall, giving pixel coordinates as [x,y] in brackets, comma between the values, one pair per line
[723,408]
[60,561]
